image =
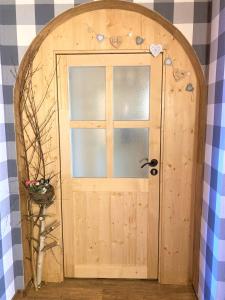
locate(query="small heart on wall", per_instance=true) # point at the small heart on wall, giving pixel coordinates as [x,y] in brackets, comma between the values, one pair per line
[139,40]
[155,49]
[116,41]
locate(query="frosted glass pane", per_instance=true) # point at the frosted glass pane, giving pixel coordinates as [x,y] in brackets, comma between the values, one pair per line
[88,152]
[87,93]
[131,93]
[130,149]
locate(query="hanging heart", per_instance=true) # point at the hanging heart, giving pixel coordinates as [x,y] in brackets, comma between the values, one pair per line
[139,40]
[116,41]
[155,49]
[179,74]
[189,87]
[168,61]
[100,37]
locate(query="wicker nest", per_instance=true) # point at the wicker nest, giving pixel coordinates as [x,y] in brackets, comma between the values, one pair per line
[43,199]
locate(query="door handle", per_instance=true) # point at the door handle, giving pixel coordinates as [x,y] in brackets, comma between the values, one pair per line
[153,163]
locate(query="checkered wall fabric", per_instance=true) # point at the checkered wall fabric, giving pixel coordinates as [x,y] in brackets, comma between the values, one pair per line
[212,254]
[10,241]
[20,21]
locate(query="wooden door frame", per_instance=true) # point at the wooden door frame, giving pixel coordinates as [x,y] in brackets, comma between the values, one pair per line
[114,4]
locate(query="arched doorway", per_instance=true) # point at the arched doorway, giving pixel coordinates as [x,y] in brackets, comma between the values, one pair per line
[112,28]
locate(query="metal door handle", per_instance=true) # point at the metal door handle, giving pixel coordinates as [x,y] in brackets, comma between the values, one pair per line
[153,163]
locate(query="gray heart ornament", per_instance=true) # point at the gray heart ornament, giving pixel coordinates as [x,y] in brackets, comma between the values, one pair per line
[139,40]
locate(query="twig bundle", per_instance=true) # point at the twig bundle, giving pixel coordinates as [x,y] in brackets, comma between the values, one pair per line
[34,136]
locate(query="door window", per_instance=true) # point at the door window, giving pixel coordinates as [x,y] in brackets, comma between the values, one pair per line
[109,115]
[130,149]
[131,93]
[88,147]
[87,93]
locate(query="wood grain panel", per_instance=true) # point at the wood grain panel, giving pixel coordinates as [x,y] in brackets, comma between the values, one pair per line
[178,183]
[104,239]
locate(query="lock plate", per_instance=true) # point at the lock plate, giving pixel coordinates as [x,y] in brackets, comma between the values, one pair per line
[154,172]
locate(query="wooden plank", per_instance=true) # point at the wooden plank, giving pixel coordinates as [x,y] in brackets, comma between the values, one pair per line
[64,129]
[178,182]
[117,228]
[154,148]
[92,231]
[87,124]
[108,60]
[80,228]
[105,233]
[132,124]
[111,184]
[109,117]
[69,241]
[111,271]
[142,223]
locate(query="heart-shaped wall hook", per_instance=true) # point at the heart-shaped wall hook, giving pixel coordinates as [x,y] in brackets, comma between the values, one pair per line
[155,49]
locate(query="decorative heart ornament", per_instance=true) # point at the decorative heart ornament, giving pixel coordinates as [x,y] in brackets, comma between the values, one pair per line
[179,74]
[116,41]
[168,61]
[139,40]
[100,37]
[189,87]
[155,49]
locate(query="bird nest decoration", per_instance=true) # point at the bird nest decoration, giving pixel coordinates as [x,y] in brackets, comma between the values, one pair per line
[40,191]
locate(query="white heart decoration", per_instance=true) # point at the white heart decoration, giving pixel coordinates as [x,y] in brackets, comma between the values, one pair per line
[155,49]
[100,37]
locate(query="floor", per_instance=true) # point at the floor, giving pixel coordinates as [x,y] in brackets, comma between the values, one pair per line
[106,289]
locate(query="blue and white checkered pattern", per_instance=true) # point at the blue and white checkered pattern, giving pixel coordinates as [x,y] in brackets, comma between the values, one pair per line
[20,21]
[212,255]
[10,239]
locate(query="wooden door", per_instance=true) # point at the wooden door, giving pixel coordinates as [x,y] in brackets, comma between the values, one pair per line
[109,117]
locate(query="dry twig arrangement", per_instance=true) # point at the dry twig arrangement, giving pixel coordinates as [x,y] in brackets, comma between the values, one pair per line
[34,136]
